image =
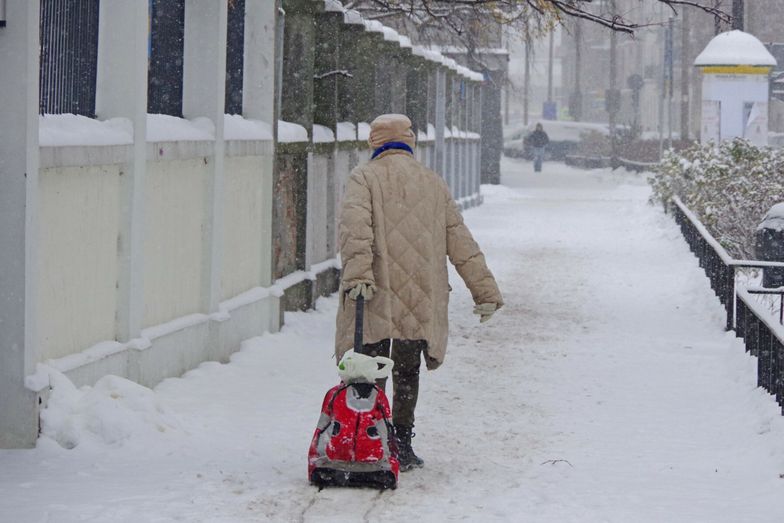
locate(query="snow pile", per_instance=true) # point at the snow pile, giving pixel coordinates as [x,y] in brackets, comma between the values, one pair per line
[112,412]
[774,220]
[322,134]
[499,193]
[235,127]
[291,132]
[59,130]
[166,128]
[735,48]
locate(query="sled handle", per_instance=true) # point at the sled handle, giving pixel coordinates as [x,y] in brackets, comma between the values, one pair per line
[359,324]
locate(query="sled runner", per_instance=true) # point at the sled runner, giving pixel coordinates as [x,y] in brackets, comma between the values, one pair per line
[354,444]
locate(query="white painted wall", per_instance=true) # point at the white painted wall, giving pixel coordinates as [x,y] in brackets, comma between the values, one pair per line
[79,214]
[175,214]
[321,167]
[243,223]
[258,81]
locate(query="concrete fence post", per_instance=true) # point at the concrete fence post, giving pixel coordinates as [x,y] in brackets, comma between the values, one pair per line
[352,100]
[122,55]
[259,80]
[440,121]
[19,62]
[204,94]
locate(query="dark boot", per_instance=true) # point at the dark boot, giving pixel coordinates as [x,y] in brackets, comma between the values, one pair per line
[408,460]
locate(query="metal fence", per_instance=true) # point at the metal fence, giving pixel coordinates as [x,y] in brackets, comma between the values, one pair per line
[164,76]
[751,320]
[235,55]
[69,56]
[167,37]
[756,326]
[719,266]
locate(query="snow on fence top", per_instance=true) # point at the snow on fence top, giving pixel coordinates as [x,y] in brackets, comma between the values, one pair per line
[166,128]
[291,132]
[735,48]
[374,26]
[390,35]
[333,6]
[235,127]
[322,134]
[352,17]
[347,132]
[58,130]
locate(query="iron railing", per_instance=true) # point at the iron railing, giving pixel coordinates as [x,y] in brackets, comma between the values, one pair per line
[235,56]
[69,56]
[763,339]
[167,54]
[713,258]
[751,320]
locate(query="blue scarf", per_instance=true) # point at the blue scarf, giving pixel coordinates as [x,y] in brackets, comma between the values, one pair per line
[391,145]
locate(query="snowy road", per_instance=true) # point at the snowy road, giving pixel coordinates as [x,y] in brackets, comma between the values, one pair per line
[605,391]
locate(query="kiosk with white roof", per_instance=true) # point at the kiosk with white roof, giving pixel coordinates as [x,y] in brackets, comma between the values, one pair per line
[735,88]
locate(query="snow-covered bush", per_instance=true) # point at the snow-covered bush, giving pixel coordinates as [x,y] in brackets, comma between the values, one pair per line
[729,188]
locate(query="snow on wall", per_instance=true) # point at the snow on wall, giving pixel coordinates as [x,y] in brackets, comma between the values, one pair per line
[363,131]
[57,130]
[235,127]
[735,48]
[291,132]
[322,134]
[347,132]
[165,128]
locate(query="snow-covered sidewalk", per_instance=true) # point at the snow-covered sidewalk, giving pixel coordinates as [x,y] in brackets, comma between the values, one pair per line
[605,390]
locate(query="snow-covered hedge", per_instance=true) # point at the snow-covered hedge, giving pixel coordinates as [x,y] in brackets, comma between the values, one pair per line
[730,188]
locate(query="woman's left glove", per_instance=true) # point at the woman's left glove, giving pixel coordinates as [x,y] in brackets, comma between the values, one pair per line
[366,290]
[485,311]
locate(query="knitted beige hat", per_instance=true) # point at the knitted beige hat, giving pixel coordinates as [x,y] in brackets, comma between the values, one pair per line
[391,128]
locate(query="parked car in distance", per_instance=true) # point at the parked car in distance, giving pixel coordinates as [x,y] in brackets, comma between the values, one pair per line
[564,137]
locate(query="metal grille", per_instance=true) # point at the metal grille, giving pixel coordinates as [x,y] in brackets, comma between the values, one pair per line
[167,33]
[235,55]
[69,56]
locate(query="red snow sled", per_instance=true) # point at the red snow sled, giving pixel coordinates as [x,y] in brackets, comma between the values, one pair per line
[354,444]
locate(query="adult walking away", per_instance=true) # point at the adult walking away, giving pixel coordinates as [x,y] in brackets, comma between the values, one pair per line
[539,140]
[398,225]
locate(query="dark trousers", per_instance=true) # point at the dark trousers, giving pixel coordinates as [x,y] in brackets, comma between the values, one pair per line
[407,355]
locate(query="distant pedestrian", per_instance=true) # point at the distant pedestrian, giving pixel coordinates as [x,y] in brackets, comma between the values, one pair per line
[538,140]
[398,225]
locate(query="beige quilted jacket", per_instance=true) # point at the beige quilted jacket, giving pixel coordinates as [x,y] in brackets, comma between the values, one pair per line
[398,225]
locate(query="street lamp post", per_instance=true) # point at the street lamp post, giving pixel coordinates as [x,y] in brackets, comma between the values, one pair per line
[737,15]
